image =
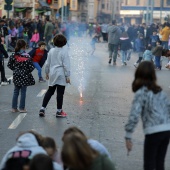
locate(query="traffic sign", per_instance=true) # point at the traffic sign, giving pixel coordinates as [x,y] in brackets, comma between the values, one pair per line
[8,7]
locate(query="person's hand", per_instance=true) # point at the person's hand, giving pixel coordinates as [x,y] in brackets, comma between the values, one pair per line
[68,80]
[128,145]
[47,77]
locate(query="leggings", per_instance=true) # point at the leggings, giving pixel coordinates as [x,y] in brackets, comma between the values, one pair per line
[50,92]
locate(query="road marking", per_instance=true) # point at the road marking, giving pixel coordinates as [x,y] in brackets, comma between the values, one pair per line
[17,121]
[41,93]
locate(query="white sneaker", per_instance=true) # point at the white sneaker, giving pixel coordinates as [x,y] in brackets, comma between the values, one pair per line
[135,65]
[4,83]
[123,64]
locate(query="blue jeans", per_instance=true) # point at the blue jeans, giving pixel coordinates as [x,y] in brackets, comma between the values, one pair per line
[124,56]
[157,62]
[22,98]
[37,66]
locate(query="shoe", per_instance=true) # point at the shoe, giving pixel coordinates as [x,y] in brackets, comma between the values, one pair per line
[114,63]
[61,114]
[110,60]
[125,63]
[41,80]
[42,113]
[23,111]
[3,83]
[122,64]
[135,65]
[14,110]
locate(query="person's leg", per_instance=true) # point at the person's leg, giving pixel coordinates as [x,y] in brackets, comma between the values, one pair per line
[157,62]
[15,97]
[2,70]
[23,97]
[123,56]
[150,151]
[48,95]
[37,66]
[115,53]
[60,94]
[160,159]
[140,55]
[110,46]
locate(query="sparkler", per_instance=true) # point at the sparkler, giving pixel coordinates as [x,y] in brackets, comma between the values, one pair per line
[79,57]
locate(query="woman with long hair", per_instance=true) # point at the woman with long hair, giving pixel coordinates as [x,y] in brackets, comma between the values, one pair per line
[153,106]
[78,155]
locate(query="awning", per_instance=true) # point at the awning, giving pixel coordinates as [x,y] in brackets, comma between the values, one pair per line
[19,9]
[39,11]
[43,4]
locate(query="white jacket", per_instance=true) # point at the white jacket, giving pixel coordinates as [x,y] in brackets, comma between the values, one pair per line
[27,143]
[58,66]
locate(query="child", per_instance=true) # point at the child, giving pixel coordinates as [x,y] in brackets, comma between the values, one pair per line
[39,56]
[153,39]
[93,42]
[58,73]
[148,56]
[21,65]
[125,45]
[152,105]
[140,48]
[35,38]
[157,52]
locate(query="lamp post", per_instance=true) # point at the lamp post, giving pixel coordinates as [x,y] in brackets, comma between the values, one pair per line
[62,10]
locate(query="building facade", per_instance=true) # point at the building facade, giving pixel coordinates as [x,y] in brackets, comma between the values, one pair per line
[138,11]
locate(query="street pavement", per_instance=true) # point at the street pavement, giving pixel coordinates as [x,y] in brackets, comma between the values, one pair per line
[101,114]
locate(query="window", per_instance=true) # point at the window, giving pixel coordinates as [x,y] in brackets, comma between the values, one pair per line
[167,2]
[137,2]
[103,6]
[55,1]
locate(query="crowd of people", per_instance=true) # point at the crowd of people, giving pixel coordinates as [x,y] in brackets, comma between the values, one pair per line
[35,152]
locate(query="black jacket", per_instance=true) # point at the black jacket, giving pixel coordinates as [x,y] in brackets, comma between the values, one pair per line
[3,52]
[125,44]
[4,30]
[22,66]
[32,54]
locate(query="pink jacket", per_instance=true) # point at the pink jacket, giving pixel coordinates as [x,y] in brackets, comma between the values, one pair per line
[35,37]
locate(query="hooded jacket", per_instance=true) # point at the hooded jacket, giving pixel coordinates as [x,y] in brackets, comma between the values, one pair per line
[125,44]
[114,34]
[22,66]
[26,145]
[165,32]
[148,56]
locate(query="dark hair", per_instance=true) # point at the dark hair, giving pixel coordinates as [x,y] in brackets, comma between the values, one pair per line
[76,152]
[59,40]
[113,22]
[41,43]
[145,76]
[41,162]
[49,142]
[20,44]
[159,42]
[125,35]
[149,48]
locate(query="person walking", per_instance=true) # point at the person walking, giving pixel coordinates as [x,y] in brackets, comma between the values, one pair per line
[48,32]
[153,106]
[3,53]
[57,69]
[21,65]
[114,33]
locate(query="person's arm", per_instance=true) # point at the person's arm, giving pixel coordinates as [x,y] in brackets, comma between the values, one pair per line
[66,64]
[30,66]
[3,51]
[154,50]
[136,110]
[107,164]
[47,65]
[45,30]
[37,37]
[11,62]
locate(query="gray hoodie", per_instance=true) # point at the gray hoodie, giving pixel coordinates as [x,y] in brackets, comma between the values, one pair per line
[114,34]
[29,145]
